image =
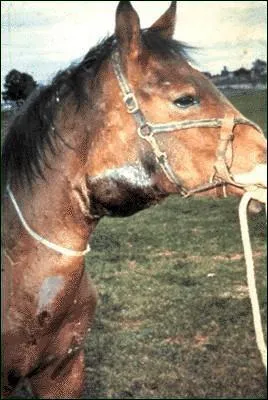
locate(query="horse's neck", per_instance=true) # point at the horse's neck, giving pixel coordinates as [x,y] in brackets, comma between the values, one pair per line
[53,210]
[56,208]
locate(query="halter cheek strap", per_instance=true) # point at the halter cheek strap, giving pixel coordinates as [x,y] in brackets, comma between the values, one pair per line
[59,249]
[222,165]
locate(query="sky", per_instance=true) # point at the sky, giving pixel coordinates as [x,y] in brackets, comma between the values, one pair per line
[41,37]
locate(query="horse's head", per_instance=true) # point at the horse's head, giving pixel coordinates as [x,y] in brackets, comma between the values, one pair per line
[165,127]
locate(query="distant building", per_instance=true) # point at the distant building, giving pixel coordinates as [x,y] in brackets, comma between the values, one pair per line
[242,78]
[225,73]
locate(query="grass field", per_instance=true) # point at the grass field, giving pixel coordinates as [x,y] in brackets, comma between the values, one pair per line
[174,318]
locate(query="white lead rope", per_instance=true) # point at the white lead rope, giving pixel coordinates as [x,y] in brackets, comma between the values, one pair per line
[259,194]
[59,249]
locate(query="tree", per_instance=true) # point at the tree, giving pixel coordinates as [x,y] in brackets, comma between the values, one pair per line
[259,67]
[18,86]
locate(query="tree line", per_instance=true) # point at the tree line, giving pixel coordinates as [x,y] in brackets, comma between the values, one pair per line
[18,86]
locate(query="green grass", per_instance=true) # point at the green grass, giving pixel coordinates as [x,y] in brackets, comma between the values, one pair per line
[253,104]
[174,318]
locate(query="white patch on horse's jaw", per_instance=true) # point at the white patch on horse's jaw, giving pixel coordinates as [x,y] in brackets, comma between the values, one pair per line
[133,174]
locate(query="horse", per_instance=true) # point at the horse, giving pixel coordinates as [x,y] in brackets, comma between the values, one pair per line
[130,124]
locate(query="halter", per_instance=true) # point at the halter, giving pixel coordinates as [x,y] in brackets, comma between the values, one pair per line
[147,131]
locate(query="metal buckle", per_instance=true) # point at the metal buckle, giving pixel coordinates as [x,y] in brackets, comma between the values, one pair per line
[131,103]
[162,158]
[145,131]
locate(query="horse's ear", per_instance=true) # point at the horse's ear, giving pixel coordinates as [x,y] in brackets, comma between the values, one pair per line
[165,25]
[127,29]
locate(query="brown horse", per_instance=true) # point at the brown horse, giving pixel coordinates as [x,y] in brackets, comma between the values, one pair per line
[123,129]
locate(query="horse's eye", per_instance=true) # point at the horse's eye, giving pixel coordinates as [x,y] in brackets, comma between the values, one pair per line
[186,101]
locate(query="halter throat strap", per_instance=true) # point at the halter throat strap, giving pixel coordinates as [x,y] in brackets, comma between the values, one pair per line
[59,249]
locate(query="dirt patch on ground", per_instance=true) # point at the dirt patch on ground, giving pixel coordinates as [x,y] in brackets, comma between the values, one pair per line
[130,325]
[235,256]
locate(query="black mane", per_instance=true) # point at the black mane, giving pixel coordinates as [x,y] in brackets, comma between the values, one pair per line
[32,130]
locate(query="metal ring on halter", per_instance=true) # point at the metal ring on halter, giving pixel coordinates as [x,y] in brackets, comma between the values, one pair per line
[145,131]
[162,158]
